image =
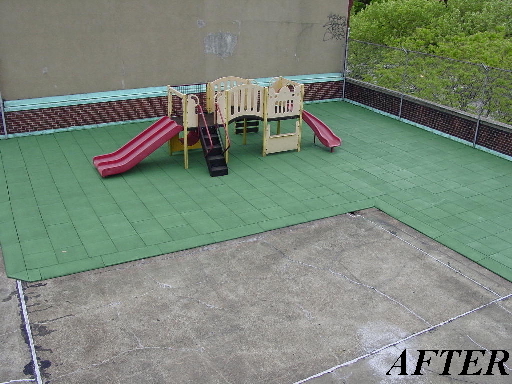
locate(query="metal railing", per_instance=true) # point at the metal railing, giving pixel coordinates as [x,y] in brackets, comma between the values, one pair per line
[475,89]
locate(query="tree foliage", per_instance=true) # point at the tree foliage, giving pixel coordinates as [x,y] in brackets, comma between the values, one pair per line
[477,31]
[474,30]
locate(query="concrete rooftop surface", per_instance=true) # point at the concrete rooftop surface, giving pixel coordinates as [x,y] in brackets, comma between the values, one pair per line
[166,275]
[336,300]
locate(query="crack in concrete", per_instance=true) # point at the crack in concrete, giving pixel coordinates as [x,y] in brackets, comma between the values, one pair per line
[395,343]
[429,255]
[486,349]
[106,361]
[339,274]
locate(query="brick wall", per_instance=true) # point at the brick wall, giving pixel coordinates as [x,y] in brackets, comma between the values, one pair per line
[84,114]
[493,136]
[42,119]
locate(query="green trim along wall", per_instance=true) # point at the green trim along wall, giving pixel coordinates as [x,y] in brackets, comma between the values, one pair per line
[140,93]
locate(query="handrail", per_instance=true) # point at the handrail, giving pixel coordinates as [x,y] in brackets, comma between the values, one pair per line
[226,130]
[201,112]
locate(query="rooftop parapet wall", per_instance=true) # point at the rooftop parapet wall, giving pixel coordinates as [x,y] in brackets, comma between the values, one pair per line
[90,110]
[493,136]
[52,48]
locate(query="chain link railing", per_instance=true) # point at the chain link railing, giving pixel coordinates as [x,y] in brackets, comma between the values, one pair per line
[475,89]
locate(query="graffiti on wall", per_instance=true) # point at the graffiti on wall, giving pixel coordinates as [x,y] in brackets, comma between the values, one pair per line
[335,28]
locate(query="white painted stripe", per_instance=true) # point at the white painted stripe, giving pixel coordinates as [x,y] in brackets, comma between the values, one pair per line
[37,372]
[332,369]
[433,257]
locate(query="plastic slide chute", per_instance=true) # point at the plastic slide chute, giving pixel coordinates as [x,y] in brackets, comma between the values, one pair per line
[321,130]
[138,148]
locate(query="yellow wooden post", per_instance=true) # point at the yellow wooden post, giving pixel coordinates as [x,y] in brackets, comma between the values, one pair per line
[266,127]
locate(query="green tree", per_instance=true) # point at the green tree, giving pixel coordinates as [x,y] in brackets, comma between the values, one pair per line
[459,30]
[478,31]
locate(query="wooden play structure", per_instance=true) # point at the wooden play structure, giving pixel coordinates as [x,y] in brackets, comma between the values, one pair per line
[238,100]
[228,100]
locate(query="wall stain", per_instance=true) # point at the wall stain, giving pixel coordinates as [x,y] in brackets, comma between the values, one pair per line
[222,44]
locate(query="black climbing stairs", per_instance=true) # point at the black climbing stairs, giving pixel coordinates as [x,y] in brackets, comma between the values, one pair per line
[213,151]
[250,125]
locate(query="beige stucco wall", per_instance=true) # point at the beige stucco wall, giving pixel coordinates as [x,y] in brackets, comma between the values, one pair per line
[59,47]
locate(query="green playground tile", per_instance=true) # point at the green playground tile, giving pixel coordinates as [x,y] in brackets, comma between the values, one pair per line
[234,233]
[490,226]
[99,248]
[138,213]
[316,203]
[107,209]
[155,237]
[282,222]
[435,213]
[205,226]
[186,243]
[481,247]
[73,253]
[264,202]
[300,193]
[474,232]
[353,195]
[470,217]
[452,222]
[86,224]
[465,191]
[505,233]
[495,243]
[41,259]
[276,212]
[183,232]
[33,274]
[416,204]
[173,220]
[184,206]
[320,213]
[451,207]
[128,242]
[36,245]
[251,216]
[98,201]
[82,213]
[93,234]
[330,201]
[216,211]
[229,221]
[58,216]
[504,257]
[31,232]
[147,225]
[63,269]
[13,257]
[130,255]
[8,234]
[436,187]
[497,267]
[119,229]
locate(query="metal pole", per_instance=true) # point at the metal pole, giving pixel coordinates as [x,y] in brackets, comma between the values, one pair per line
[4,125]
[403,83]
[345,63]
[481,109]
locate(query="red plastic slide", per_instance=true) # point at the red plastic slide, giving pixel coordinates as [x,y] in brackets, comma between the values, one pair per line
[322,131]
[137,148]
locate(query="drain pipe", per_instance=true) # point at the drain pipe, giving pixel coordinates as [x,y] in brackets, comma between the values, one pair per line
[2,112]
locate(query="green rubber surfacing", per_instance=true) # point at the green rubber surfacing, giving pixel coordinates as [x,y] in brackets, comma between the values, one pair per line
[58,216]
